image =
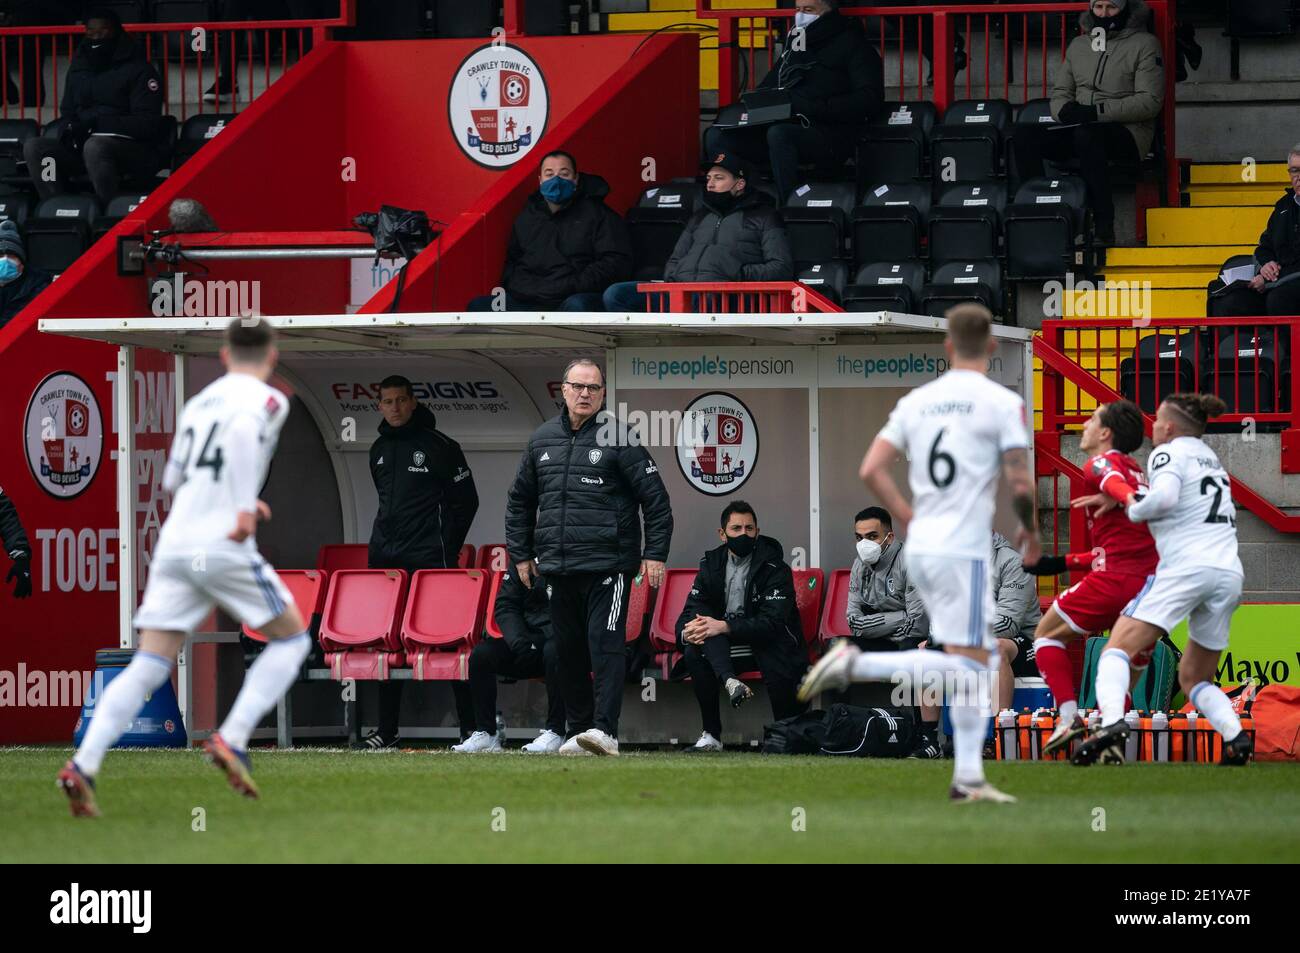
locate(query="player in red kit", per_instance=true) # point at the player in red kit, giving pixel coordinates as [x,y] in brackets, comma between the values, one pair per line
[1122,557]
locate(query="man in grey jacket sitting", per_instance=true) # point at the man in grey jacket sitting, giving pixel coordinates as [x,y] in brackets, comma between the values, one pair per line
[1017,612]
[735,235]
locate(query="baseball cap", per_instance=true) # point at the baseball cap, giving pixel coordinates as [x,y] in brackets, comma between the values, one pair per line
[729,161]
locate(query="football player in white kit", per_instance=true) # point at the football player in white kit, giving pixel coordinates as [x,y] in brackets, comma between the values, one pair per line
[959,432]
[206,555]
[1189,509]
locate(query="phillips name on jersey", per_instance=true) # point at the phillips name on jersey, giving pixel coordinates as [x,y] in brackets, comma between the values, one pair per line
[1201,528]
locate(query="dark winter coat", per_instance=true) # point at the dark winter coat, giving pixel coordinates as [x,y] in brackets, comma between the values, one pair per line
[11,530]
[579,497]
[522,614]
[748,243]
[125,99]
[19,293]
[427,498]
[581,248]
[1280,241]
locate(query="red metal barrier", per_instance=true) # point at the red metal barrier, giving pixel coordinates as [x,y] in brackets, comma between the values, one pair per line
[247,56]
[981,27]
[734,297]
[1050,468]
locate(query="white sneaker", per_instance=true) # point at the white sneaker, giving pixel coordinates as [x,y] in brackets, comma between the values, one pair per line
[596,741]
[479,742]
[830,672]
[571,748]
[548,742]
[961,793]
[706,743]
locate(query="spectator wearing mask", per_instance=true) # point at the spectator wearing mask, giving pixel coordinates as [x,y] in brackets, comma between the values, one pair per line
[1275,289]
[110,119]
[735,235]
[566,246]
[574,513]
[884,612]
[1015,594]
[18,548]
[525,650]
[427,502]
[835,80]
[741,609]
[1108,92]
[18,283]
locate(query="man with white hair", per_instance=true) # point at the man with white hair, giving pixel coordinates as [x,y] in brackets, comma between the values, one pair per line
[1275,288]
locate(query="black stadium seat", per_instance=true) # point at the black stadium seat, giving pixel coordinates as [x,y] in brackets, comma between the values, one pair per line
[968,146]
[13,169]
[890,222]
[966,222]
[886,286]
[816,218]
[828,278]
[1247,362]
[1036,112]
[16,208]
[957,281]
[656,222]
[1045,228]
[60,231]
[1163,364]
[1217,305]
[118,208]
[197,131]
[894,147]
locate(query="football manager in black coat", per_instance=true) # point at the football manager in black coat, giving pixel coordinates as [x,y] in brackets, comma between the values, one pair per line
[566,246]
[574,513]
[110,120]
[836,82]
[427,501]
[742,610]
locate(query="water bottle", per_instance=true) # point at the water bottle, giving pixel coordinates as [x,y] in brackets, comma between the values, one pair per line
[1160,736]
[1134,722]
[1191,748]
[1007,734]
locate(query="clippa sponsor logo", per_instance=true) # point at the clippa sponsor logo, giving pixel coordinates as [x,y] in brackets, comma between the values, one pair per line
[424,390]
[76,906]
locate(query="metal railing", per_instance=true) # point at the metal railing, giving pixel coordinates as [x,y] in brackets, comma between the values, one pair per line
[990,34]
[734,297]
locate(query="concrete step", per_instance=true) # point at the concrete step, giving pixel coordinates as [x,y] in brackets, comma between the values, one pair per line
[1235,195]
[1205,226]
[1216,173]
[1164,279]
[1176,257]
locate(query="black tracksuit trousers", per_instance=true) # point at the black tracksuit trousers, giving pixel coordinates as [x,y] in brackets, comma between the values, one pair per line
[589,625]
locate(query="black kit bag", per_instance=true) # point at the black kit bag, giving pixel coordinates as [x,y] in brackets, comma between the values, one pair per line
[868,732]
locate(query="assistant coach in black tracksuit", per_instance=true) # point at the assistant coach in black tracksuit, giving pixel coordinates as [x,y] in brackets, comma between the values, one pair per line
[427,502]
[18,548]
[574,513]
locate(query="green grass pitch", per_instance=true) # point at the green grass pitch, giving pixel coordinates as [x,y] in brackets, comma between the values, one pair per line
[431,806]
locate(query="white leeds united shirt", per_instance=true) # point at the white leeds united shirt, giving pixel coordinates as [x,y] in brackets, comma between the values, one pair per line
[225,439]
[1189,508]
[954,431]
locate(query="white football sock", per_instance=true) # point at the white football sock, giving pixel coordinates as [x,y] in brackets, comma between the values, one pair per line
[914,663]
[970,726]
[268,678]
[1112,684]
[1214,705]
[1067,711]
[117,707]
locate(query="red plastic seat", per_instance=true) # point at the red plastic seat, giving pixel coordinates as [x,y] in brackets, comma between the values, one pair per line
[809,584]
[465,558]
[673,593]
[490,628]
[445,608]
[363,609]
[640,599]
[334,556]
[307,586]
[834,623]
[493,557]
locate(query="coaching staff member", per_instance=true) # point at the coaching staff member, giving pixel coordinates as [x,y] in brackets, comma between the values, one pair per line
[574,513]
[427,502]
[18,548]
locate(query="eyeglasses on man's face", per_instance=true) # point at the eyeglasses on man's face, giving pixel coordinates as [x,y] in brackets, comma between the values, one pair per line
[585,388]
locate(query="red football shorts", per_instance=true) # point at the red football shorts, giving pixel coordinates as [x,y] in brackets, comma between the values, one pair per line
[1096,601]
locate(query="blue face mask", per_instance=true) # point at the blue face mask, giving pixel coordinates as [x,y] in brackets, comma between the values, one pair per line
[8,270]
[558,190]
[804,20]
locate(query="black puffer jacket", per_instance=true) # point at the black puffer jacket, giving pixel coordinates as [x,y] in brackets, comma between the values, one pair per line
[522,614]
[579,496]
[747,243]
[1281,239]
[125,99]
[582,248]
[771,614]
[837,81]
[427,498]
[11,529]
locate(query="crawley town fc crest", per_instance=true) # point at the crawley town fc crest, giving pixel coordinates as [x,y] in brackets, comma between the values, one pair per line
[63,434]
[717,444]
[498,105]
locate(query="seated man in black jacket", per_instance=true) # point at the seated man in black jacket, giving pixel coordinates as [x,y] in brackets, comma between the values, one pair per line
[110,118]
[1275,289]
[742,612]
[735,235]
[526,650]
[836,82]
[566,246]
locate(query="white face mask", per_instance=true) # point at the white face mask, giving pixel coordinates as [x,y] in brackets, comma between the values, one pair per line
[869,551]
[805,20]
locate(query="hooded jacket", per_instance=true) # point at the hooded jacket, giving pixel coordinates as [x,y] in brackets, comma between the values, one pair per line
[771,618]
[522,614]
[1125,80]
[19,293]
[882,604]
[746,243]
[1280,241]
[581,248]
[124,99]
[579,497]
[427,498]
[836,82]
[1015,593]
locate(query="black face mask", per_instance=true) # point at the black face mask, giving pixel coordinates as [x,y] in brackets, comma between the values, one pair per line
[1111,24]
[721,202]
[741,546]
[101,55]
